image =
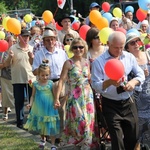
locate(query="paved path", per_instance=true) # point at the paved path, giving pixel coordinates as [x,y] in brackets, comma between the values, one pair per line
[11,122]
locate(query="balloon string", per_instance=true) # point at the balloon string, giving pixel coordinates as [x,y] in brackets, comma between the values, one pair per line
[22,40]
[55,12]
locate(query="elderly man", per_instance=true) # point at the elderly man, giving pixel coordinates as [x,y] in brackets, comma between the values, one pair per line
[65,22]
[56,57]
[21,72]
[118,105]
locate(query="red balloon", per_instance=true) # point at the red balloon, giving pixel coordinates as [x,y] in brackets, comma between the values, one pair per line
[114,69]
[3,45]
[122,30]
[141,15]
[105,6]
[83,30]
[76,25]
[58,27]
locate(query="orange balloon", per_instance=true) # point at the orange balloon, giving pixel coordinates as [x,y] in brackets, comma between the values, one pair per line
[94,16]
[14,26]
[102,23]
[47,16]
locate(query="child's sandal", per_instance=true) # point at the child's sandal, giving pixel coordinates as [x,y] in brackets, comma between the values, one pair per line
[53,148]
[42,144]
[5,117]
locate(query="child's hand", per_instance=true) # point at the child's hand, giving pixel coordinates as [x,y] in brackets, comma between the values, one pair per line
[56,104]
[28,106]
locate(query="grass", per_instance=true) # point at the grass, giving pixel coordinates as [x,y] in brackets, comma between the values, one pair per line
[10,140]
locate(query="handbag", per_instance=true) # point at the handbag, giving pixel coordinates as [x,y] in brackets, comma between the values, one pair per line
[6,71]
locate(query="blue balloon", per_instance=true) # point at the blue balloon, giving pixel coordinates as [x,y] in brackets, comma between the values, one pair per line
[129,8]
[108,16]
[133,30]
[144,4]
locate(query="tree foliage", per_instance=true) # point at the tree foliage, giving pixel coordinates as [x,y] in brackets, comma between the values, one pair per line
[38,6]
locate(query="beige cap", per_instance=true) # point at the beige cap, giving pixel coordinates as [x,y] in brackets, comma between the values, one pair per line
[48,33]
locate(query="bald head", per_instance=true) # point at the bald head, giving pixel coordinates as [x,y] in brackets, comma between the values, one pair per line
[116,43]
[117,36]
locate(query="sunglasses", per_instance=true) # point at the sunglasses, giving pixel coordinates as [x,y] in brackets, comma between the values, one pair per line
[134,42]
[96,37]
[71,39]
[76,47]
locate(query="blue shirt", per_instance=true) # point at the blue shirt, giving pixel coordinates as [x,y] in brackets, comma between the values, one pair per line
[99,76]
[56,60]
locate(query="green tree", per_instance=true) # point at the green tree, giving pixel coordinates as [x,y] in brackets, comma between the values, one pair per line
[3,8]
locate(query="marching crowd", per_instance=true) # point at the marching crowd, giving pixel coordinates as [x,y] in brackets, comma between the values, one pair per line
[63,84]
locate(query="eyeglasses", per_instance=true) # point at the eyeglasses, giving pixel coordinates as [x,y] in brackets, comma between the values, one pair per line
[134,42]
[96,37]
[71,39]
[76,47]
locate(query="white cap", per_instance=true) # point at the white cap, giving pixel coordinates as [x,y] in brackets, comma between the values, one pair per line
[144,22]
[113,19]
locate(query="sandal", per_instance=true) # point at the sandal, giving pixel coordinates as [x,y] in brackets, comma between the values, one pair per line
[42,144]
[5,117]
[53,147]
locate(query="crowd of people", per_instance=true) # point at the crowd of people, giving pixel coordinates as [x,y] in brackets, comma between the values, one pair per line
[61,91]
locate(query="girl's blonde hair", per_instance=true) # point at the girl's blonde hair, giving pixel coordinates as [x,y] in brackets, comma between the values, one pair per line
[44,66]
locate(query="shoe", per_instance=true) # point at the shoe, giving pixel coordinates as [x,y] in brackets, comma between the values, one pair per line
[8,109]
[5,117]
[42,144]
[20,126]
[53,147]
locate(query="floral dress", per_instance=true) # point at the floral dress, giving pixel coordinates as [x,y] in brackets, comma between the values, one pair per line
[43,118]
[80,111]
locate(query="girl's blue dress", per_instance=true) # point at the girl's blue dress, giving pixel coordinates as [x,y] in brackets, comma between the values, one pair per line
[43,118]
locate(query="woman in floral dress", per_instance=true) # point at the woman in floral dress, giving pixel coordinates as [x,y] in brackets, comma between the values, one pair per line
[80,111]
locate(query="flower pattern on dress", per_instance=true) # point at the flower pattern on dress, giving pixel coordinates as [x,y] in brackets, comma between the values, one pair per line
[77,92]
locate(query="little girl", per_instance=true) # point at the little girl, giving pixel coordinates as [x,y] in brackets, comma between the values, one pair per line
[43,118]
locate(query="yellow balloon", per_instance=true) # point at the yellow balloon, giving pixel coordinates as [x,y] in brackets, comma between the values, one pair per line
[27,18]
[117,12]
[4,22]
[69,53]
[94,16]
[104,34]
[2,35]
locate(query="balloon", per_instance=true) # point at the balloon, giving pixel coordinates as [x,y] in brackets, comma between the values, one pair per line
[117,12]
[47,16]
[76,25]
[104,34]
[108,16]
[83,30]
[105,6]
[4,22]
[2,35]
[141,15]
[14,26]
[121,30]
[69,53]
[94,15]
[147,46]
[134,31]
[58,27]
[102,23]
[3,45]
[27,18]
[129,8]
[144,4]
[114,69]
